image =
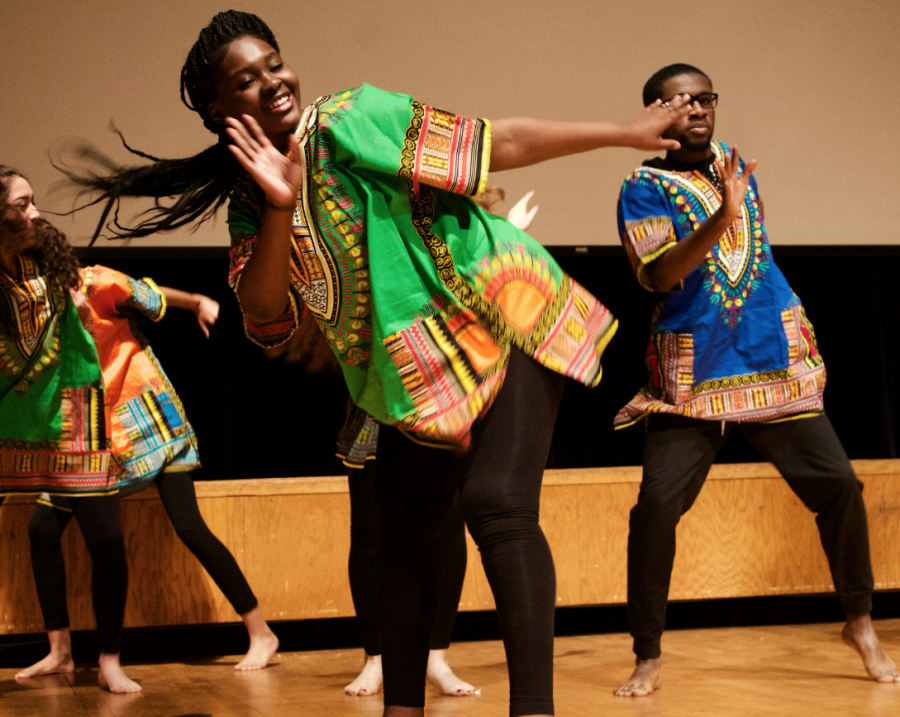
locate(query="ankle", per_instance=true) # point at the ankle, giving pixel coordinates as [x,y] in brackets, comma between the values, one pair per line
[109,659]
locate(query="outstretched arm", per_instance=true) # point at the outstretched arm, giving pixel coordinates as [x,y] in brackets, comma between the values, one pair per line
[205,309]
[670,268]
[522,141]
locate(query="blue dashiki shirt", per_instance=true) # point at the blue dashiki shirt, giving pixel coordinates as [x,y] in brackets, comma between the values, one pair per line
[734,343]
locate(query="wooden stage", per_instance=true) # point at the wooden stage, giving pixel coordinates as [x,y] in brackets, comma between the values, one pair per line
[786,670]
[747,535]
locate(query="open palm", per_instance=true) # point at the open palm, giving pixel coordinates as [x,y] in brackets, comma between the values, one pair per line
[279,175]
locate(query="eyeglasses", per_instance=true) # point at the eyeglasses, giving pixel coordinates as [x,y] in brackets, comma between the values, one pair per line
[707,100]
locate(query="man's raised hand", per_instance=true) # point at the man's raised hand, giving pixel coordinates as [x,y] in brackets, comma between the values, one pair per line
[734,184]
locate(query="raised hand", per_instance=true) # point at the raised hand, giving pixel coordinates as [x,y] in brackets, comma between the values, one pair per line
[734,184]
[82,305]
[520,215]
[280,176]
[644,130]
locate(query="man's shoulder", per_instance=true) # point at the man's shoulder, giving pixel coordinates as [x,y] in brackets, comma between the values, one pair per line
[644,177]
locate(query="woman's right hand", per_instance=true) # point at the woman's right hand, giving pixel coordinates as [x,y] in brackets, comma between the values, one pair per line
[280,176]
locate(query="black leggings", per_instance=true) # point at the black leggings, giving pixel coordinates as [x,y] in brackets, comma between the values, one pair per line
[678,454]
[499,485]
[180,501]
[98,518]
[363,575]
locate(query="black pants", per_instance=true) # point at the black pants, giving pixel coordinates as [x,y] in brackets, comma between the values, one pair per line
[180,501]
[678,454]
[363,573]
[98,518]
[499,485]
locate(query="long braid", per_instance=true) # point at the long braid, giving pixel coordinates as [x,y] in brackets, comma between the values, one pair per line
[199,185]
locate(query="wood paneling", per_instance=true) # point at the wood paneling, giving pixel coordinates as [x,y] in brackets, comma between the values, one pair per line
[746,535]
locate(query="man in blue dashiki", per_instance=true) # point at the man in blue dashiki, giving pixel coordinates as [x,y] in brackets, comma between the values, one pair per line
[730,346]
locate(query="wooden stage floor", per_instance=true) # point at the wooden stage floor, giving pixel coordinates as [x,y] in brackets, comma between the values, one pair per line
[781,670]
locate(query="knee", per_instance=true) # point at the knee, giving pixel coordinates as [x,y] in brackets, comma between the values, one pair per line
[107,549]
[196,535]
[842,487]
[655,510]
[492,518]
[44,534]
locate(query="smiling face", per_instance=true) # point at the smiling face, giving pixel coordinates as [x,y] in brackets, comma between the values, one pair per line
[694,131]
[254,80]
[18,221]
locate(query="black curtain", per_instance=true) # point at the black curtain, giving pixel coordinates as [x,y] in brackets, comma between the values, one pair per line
[257,418]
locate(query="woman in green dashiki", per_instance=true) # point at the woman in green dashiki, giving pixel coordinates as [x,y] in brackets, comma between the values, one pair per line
[153,442]
[53,426]
[453,329]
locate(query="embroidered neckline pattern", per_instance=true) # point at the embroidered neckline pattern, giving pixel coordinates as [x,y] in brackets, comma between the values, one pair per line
[735,267]
[35,310]
[329,253]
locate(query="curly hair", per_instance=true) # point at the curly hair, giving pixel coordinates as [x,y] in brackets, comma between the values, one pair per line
[52,253]
[201,184]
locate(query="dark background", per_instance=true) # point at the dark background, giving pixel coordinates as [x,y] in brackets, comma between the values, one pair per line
[257,418]
[261,418]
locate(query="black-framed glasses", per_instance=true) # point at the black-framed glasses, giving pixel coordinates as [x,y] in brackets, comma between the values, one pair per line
[707,100]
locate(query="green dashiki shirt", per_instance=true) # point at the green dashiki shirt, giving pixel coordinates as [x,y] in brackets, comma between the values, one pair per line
[53,426]
[420,293]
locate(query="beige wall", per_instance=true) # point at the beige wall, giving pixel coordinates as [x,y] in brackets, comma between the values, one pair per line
[809,88]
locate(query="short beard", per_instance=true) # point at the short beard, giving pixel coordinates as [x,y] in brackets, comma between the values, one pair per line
[700,146]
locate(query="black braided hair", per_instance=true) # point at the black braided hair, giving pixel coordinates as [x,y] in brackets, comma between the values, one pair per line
[199,185]
[207,54]
[653,88]
[53,254]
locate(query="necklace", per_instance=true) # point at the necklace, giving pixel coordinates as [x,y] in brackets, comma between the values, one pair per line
[714,176]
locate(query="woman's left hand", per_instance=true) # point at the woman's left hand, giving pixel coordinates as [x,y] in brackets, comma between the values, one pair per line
[207,313]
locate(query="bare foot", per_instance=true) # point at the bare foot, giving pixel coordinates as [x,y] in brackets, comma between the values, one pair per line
[860,635]
[369,681]
[263,643]
[50,665]
[113,678]
[643,680]
[59,661]
[441,676]
[262,647]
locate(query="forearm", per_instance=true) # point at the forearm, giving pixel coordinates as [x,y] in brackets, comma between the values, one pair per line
[669,269]
[177,299]
[265,280]
[522,141]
